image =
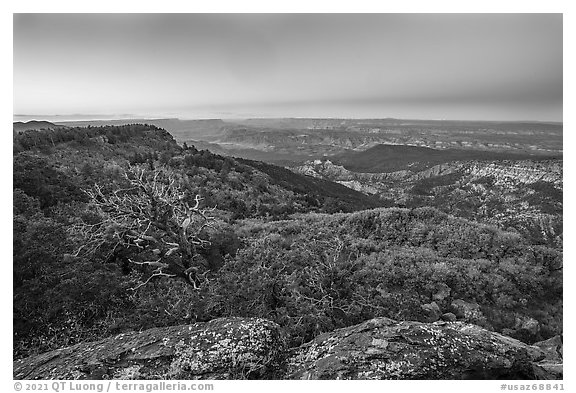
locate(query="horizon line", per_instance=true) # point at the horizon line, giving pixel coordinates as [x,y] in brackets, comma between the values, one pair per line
[136,117]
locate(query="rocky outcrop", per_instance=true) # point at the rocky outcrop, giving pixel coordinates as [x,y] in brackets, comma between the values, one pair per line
[449,317]
[359,186]
[504,173]
[442,292]
[526,329]
[523,172]
[439,170]
[227,348]
[385,349]
[551,366]
[431,312]
[238,348]
[470,313]
[325,169]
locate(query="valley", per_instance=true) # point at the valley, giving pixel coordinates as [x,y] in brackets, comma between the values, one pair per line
[507,174]
[294,141]
[523,195]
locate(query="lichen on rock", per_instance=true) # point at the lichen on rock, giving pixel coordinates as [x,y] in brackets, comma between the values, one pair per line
[220,349]
[413,350]
[237,348]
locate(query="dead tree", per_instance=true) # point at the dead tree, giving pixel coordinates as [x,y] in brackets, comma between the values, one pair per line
[155,220]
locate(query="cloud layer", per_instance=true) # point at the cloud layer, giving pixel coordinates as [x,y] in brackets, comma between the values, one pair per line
[480,66]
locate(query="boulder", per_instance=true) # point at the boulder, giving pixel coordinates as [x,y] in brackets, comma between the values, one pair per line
[442,292]
[553,348]
[449,317]
[470,313]
[382,348]
[238,348]
[551,367]
[225,348]
[527,327]
[431,312]
[508,332]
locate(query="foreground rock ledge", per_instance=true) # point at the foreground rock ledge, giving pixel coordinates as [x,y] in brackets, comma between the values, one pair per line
[237,348]
[226,348]
[385,349]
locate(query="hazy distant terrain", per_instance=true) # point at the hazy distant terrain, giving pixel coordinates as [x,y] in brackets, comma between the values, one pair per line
[328,137]
[293,141]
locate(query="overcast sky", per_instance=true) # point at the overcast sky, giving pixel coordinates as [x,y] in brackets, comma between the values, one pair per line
[430,66]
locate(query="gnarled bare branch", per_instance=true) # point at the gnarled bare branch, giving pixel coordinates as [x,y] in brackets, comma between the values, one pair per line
[151,216]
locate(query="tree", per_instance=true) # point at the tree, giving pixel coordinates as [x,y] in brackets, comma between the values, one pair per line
[153,221]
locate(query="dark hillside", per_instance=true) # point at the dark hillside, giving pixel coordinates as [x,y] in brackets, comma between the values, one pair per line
[180,129]
[340,196]
[89,154]
[80,137]
[391,158]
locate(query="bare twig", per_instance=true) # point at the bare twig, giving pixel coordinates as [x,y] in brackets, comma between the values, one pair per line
[151,215]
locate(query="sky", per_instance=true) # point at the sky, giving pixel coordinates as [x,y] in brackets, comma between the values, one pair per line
[424,66]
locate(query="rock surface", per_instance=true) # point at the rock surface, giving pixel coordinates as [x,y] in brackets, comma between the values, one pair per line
[238,348]
[470,313]
[523,172]
[226,348]
[431,311]
[551,367]
[449,317]
[525,329]
[529,324]
[443,291]
[385,349]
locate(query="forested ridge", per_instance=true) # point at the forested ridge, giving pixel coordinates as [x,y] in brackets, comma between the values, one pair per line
[110,237]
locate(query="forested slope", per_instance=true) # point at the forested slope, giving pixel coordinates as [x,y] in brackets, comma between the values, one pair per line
[272,250]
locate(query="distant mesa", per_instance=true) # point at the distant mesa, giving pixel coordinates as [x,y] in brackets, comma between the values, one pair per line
[389,158]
